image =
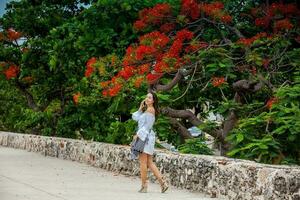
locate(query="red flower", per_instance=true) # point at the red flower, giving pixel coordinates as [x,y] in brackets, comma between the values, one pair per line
[152,78]
[160,9]
[212,9]
[138,82]
[104,84]
[113,60]
[290,8]
[161,67]
[105,93]
[139,25]
[154,39]
[116,79]
[172,63]
[218,5]
[12,72]
[159,57]
[287,9]
[90,67]
[129,58]
[91,62]
[259,35]
[129,50]
[88,72]
[154,15]
[196,46]
[283,24]
[127,72]
[184,34]
[226,19]
[275,8]
[249,41]
[166,28]
[115,90]
[143,68]
[143,51]
[12,34]
[245,41]
[176,48]
[262,22]
[160,41]
[76,98]
[271,101]
[218,81]
[190,8]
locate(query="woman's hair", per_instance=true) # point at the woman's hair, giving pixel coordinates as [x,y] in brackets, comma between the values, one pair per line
[155,104]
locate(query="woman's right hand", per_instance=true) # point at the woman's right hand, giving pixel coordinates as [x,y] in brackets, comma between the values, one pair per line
[142,105]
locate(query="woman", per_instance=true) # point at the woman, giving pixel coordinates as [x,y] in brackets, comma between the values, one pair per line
[145,117]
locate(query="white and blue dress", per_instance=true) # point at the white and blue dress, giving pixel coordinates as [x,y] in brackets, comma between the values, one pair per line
[145,123]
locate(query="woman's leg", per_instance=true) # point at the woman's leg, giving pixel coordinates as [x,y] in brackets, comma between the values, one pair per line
[143,168]
[163,184]
[154,169]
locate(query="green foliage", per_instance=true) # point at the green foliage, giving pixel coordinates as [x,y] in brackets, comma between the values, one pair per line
[271,134]
[165,132]
[60,37]
[121,133]
[11,105]
[195,146]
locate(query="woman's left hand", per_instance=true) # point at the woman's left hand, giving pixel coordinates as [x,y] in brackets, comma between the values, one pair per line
[135,136]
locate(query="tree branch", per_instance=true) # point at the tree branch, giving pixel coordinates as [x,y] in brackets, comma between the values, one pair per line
[30,101]
[179,75]
[180,128]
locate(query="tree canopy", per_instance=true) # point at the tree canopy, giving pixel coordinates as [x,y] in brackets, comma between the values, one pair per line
[78,68]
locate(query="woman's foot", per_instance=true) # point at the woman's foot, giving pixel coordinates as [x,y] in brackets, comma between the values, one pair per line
[143,189]
[164,186]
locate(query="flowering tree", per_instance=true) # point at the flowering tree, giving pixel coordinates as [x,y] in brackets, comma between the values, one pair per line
[237,57]
[43,48]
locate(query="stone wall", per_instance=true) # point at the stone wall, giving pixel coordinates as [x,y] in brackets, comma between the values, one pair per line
[216,176]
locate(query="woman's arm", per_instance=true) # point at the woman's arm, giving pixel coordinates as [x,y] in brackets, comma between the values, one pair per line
[147,125]
[136,115]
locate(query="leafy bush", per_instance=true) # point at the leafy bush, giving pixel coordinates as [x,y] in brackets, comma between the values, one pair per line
[195,146]
[272,136]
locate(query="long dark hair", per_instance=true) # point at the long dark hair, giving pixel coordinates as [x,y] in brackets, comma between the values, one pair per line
[155,104]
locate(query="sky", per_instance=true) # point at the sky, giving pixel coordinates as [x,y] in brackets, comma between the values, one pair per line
[2,6]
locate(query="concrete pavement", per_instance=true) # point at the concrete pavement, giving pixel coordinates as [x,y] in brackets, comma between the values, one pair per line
[32,176]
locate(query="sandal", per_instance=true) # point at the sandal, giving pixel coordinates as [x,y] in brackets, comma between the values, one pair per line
[143,189]
[164,186]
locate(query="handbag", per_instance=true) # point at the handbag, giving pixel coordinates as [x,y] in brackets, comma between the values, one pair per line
[137,146]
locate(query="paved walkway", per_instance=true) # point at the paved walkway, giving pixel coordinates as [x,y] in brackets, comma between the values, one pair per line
[28,175]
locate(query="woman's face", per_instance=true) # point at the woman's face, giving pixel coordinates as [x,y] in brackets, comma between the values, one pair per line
[149,99]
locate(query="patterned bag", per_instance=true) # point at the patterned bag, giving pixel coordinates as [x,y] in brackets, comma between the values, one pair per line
[137,146]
